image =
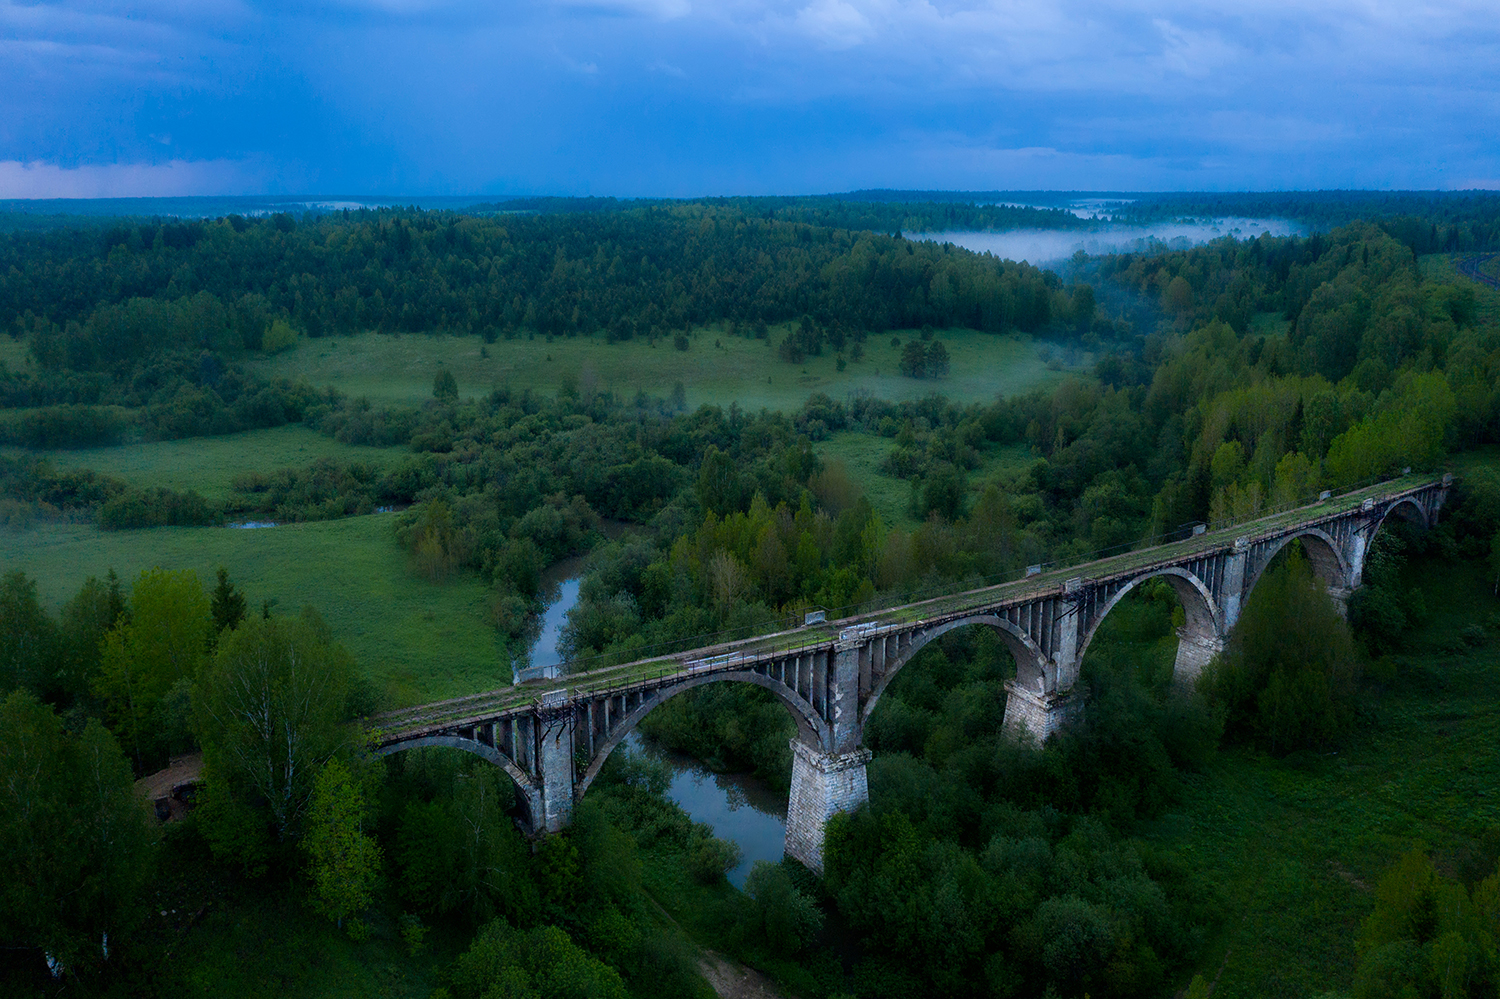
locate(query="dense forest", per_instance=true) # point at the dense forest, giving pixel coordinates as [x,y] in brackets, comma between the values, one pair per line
[88,298]
[1280,367]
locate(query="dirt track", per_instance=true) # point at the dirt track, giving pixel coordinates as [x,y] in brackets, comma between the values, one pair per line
[735,981]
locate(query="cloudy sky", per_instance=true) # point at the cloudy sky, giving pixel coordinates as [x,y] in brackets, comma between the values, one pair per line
[691,97]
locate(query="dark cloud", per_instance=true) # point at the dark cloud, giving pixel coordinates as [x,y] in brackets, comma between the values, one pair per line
[692,97]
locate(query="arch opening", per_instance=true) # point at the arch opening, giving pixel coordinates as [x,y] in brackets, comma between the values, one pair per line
[1158,632]
[1322,554]
[810,728]
[524,787]
[1029,663]
[1200,612]
[953,693]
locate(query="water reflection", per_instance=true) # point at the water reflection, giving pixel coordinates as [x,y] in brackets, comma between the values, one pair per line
[559,592]
[739,807]
[544,650]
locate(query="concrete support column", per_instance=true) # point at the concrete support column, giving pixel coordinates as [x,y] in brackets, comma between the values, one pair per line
[843,707]
[1355,558]
[1340,596]
[1233,597]
[1028,713]
[1193,654]
[555,768]
[1065,657]
[823,784]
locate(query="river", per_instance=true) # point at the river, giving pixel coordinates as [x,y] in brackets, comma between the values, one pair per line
[739,807]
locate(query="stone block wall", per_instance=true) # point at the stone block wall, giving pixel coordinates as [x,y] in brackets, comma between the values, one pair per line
[1028,713]
[1194,653]
[823,784]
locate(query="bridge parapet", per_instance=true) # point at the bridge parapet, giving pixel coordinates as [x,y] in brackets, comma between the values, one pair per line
[553,735]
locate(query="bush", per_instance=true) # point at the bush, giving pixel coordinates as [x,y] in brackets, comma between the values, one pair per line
[785,918]
[278,338]
[709,858]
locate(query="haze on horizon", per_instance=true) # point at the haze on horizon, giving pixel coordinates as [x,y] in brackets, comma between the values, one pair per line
[698,97]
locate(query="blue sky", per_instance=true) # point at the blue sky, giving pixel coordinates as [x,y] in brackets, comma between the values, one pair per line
[697,97]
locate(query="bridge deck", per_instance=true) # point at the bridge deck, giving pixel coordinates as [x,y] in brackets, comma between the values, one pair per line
[477,708]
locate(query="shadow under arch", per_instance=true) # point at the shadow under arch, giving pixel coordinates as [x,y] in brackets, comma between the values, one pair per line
[810,727]
[1198,605]
[1029,658]
[1407,509]
[1322,551]
[524,784]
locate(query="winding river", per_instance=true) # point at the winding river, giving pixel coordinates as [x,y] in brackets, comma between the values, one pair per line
[739,807]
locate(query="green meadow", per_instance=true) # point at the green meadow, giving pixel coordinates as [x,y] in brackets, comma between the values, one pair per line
[13,354]
[417,639]
[716,369]
[209,464]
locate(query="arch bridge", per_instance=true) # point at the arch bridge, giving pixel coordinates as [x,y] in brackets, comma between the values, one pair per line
[553,736]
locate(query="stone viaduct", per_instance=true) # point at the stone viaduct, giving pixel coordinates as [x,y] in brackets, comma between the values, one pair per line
[552,736]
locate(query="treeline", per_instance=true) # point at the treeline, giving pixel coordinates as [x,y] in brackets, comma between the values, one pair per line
[1424,221]
[888,212]
[89,301]
[153,396]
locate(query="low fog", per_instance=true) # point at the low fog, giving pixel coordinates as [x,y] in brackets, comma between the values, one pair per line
[1041,246]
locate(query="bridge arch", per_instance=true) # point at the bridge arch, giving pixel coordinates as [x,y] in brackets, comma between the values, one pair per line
[1030,660]
[813,730]
[1406,508]
[1198,605]
[524,784]
[1323,552]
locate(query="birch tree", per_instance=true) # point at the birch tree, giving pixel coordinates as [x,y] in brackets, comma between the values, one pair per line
[269,714]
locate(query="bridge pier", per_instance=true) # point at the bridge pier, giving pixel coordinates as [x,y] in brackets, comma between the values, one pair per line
[1194,652]
[1028,713]
[823,784]
[555,768]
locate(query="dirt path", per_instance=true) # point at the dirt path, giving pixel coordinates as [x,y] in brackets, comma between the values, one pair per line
[732,980]
[729,978]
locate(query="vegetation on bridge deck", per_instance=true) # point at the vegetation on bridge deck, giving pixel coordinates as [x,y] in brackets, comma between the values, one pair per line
[747,653]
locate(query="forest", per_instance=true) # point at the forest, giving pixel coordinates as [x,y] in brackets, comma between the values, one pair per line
[1277,367]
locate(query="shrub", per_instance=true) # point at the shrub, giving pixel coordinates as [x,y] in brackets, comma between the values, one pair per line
[278,338]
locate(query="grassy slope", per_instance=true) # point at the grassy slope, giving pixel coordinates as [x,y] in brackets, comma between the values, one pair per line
[1294,847]
[209,464]
[400,369]
[427,641]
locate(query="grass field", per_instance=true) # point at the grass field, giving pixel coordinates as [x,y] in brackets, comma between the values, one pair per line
[422,641]
[209,464]
[13,354]
[1294,848]
[400,369]
[862,454]
[1269,324]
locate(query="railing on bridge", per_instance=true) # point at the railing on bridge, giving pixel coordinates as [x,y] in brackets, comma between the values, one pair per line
[798,616]
[798,634]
